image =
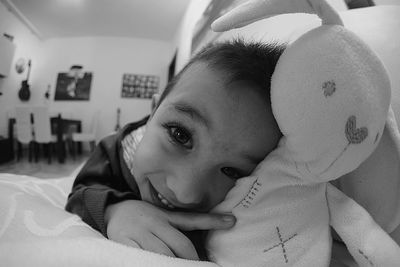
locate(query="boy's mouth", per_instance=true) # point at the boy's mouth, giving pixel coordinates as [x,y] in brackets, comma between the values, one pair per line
[159,199]
[164,201]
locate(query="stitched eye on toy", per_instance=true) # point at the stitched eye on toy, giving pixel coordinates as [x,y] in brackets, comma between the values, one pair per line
[329,87]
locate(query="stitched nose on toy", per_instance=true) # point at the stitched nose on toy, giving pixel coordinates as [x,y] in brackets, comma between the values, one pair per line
[354,135]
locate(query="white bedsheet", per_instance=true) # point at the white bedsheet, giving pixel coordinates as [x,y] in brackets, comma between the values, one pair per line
[35,230]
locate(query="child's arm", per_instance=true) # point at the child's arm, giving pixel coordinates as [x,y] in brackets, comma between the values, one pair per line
[365,240]
[100,182]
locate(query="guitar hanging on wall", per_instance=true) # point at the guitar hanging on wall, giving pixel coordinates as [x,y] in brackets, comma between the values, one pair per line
[24,93]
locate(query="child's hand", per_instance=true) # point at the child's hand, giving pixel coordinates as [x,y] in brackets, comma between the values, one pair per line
[140,224]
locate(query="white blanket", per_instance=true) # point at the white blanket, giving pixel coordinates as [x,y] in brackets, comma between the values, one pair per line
[35,230]
[85,252]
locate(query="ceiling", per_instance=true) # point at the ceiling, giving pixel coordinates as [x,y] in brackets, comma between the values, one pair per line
[150,19]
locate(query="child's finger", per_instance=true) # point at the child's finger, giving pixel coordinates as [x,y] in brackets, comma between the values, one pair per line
[127,242]
[201,221]
[152,243]
[180,245]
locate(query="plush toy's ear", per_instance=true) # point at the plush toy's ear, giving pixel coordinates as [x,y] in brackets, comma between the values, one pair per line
[330,93]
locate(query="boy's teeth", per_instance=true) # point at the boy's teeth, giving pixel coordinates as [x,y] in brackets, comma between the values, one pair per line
[164,201]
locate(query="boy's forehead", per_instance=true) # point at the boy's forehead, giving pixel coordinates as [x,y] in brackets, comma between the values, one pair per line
[199,86]
[202,85]
[200,74]
[203,93]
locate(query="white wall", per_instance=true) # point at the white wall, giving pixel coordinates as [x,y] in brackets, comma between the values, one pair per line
[183,37]
[27,46]
[108,58]
[387,2]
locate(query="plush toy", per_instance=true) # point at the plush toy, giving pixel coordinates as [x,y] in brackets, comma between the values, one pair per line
[330,96]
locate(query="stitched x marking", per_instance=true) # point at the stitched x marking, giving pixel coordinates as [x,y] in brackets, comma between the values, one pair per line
[281,244]
[248,200]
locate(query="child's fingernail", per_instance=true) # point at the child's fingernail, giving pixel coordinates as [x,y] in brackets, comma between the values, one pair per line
[229,219]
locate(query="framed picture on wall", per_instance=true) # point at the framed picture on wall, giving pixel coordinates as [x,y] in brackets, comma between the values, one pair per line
[139,86]
[72,87]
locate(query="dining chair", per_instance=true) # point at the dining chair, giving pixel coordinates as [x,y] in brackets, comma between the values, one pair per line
[24,130]
[42,130]
[89,136]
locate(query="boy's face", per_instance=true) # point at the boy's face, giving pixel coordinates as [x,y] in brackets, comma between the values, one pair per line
[201,139]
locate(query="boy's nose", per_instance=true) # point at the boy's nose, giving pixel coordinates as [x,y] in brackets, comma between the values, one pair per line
[189,188]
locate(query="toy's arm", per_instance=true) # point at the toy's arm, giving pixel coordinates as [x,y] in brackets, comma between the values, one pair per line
[254,10]
[364,238]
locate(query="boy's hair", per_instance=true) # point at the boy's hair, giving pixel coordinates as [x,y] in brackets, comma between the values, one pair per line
[252,62]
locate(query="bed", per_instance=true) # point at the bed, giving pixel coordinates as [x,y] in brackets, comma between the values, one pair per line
[36,231]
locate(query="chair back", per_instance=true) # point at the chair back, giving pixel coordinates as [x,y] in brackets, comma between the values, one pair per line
[23,124]
[94,123]
[41,124]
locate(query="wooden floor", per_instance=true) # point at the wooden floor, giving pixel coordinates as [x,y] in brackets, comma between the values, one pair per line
[42,168]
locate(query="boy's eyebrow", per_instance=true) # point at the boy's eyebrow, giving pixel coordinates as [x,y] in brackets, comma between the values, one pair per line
[191,111]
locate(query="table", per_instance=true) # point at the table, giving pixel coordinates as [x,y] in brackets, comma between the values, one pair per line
[59,126]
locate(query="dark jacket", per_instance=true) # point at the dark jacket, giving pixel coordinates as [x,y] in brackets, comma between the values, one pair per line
[104,179]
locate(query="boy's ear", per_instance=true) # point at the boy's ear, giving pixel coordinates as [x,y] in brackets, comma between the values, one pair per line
[154,102]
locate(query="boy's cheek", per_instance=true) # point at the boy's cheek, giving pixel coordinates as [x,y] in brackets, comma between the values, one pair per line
[151,153]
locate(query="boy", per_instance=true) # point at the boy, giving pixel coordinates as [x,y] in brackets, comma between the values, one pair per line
[157,178]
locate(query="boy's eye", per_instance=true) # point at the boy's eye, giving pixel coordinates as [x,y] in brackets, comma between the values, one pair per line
[180,136]
[231,172]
